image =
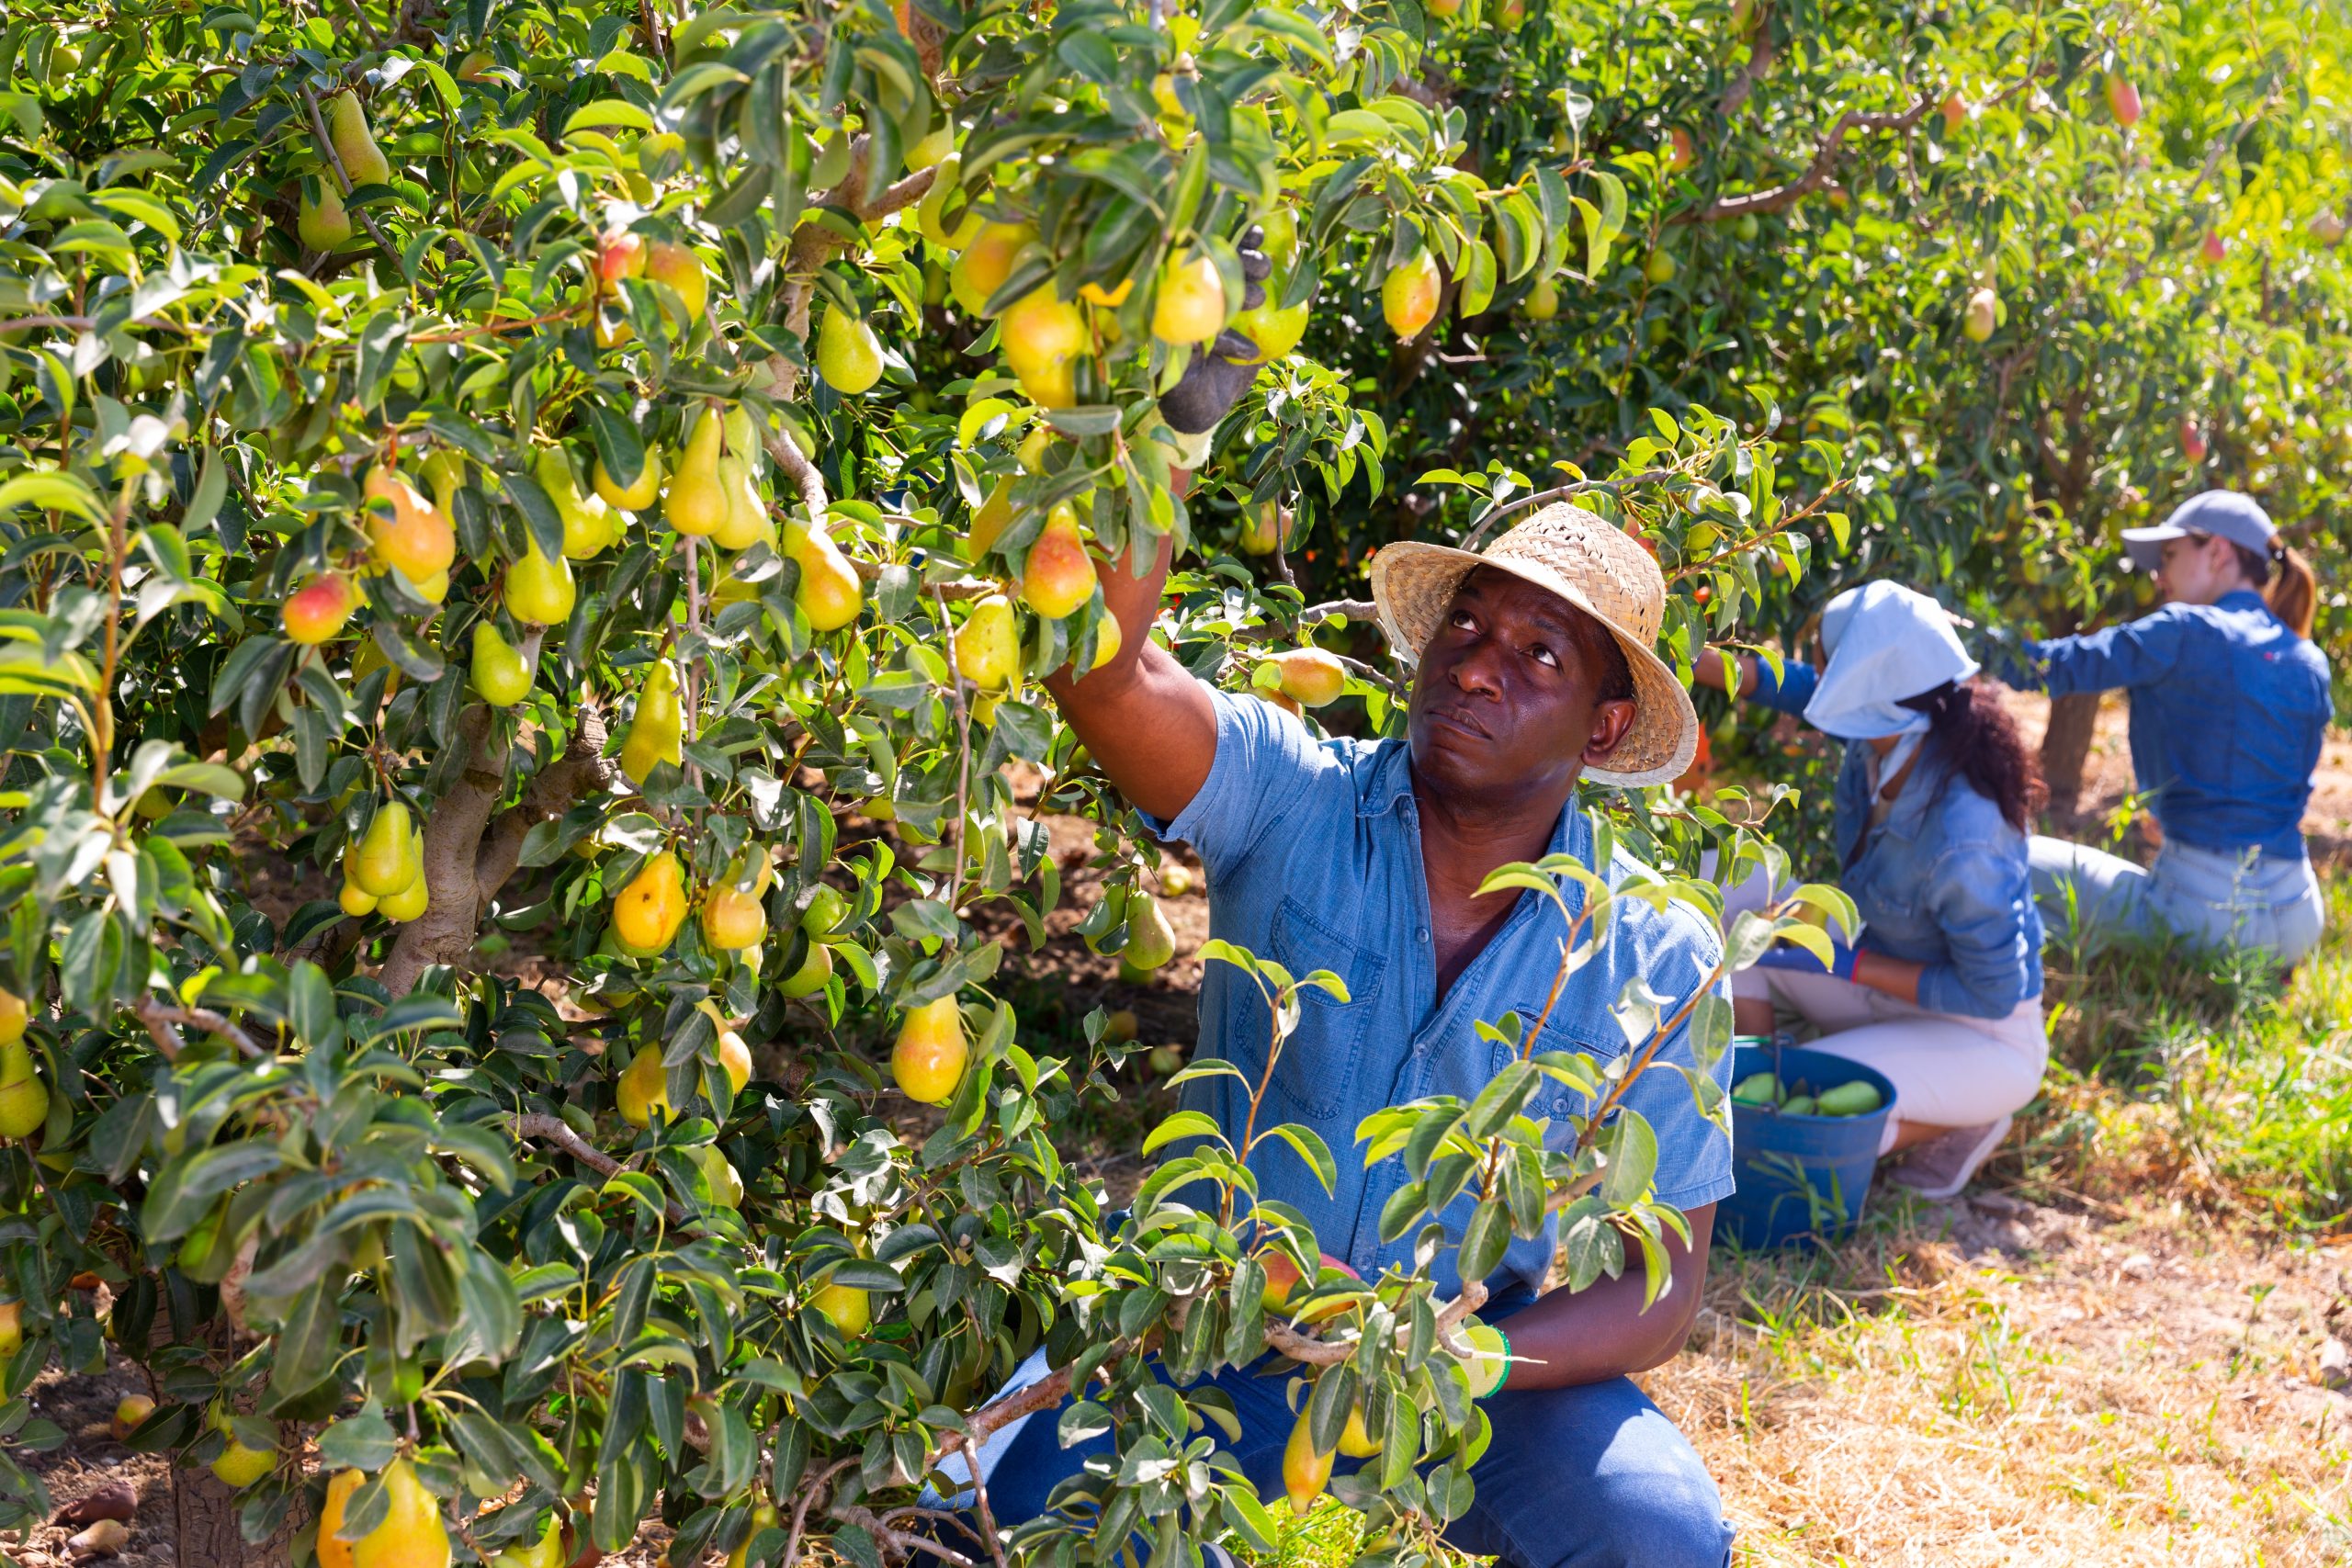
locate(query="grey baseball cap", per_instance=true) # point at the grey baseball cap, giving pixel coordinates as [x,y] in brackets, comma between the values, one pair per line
[2223,513]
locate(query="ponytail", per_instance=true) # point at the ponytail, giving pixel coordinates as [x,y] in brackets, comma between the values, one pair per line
[2294,593]
[1974,732]
[2287,583]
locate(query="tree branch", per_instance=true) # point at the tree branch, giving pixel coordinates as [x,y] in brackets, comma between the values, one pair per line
[160,1017]
[555,1130]
[466,863]
[1761,54]
[1817,173]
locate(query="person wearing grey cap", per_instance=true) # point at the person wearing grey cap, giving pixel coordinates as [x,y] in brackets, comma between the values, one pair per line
[2229,704]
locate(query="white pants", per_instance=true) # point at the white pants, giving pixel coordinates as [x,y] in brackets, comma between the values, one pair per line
[1948,1070]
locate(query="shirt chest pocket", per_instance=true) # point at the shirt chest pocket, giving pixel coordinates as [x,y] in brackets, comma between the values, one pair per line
[1319,1070]
[1552,1100]
[1887,885]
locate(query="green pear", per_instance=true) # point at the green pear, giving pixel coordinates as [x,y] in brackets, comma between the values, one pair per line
[353,142]
[379,863]
[501,674]
[24,1099]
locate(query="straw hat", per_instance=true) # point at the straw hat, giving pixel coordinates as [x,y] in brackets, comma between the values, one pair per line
[1599,570]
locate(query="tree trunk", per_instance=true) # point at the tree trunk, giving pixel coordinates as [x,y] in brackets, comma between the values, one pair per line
[2065,747]
[204,1525]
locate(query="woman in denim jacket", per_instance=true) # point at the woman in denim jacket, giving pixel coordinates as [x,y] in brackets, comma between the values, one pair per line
[2229,706]
[1941,989]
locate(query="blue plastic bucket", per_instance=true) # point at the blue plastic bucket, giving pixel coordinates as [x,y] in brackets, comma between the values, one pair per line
[1799,1176]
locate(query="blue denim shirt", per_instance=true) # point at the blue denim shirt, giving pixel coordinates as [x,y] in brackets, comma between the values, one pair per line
[1314,858]
[2228,710]
[1942,881]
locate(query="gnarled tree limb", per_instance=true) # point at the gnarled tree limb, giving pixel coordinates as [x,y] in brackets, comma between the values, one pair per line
[466,859]
[1816,175]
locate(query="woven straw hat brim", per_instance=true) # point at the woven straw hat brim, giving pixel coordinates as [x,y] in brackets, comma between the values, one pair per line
[1413,582]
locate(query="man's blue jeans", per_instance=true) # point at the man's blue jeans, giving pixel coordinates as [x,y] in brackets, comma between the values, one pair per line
[1588,1477]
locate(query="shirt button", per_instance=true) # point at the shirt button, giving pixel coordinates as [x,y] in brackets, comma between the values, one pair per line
[1423,934]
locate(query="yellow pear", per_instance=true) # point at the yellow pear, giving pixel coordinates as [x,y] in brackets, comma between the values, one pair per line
[417,540]
[355,900]
[1408,295]
[726,1182]
[412,1535]
[763,1517]
[650,909]
[1053,385]
[1034,447]
[129,1412]
[629,498]
[734,1058]
[333,1551]
[379,864]
[1306,1473]
[1543,301]
[830,593]
[501,675]
[412,899]
[354,144]
[657,730]
[1151,940]
[13,1016]
[849,354]
[1275,330]
[846,1307]
[24,1099]
[682,270]
[986,263]
[989,521]
[546,1552]
[1356,1441]
[931,214]
[747,513]
[1059,576]
[644,1087]
[988,645]
[1108,635]
[539,591]
[733,919]
[239,1466]
[588,526]
[12,1328]
[324,223]
[810,976]
[928,1058]
[1038,329]
[1190,305]
[1311,678]
[697,500]
[318,611]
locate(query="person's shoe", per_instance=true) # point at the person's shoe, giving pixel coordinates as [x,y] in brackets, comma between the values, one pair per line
[1941,1166]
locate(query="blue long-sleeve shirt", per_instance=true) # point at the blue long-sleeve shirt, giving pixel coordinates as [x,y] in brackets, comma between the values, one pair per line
[1942,883]
[2229,707]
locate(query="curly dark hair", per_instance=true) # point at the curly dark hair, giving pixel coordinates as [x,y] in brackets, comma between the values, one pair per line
[1972,728]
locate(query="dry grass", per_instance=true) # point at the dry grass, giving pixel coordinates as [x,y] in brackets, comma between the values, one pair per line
[2136,1393]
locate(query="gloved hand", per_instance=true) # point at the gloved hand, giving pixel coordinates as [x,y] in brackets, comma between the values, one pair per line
[1803,961]
[1221,371]
[2006,657]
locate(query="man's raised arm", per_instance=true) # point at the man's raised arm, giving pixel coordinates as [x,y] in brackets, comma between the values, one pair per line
[1147,723]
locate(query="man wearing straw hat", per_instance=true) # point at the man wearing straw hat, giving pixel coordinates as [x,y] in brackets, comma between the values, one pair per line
[1536,671]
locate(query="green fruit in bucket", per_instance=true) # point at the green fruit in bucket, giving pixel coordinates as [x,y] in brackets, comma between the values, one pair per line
[1798,1105]
[1856,1099]
[1755,1089]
